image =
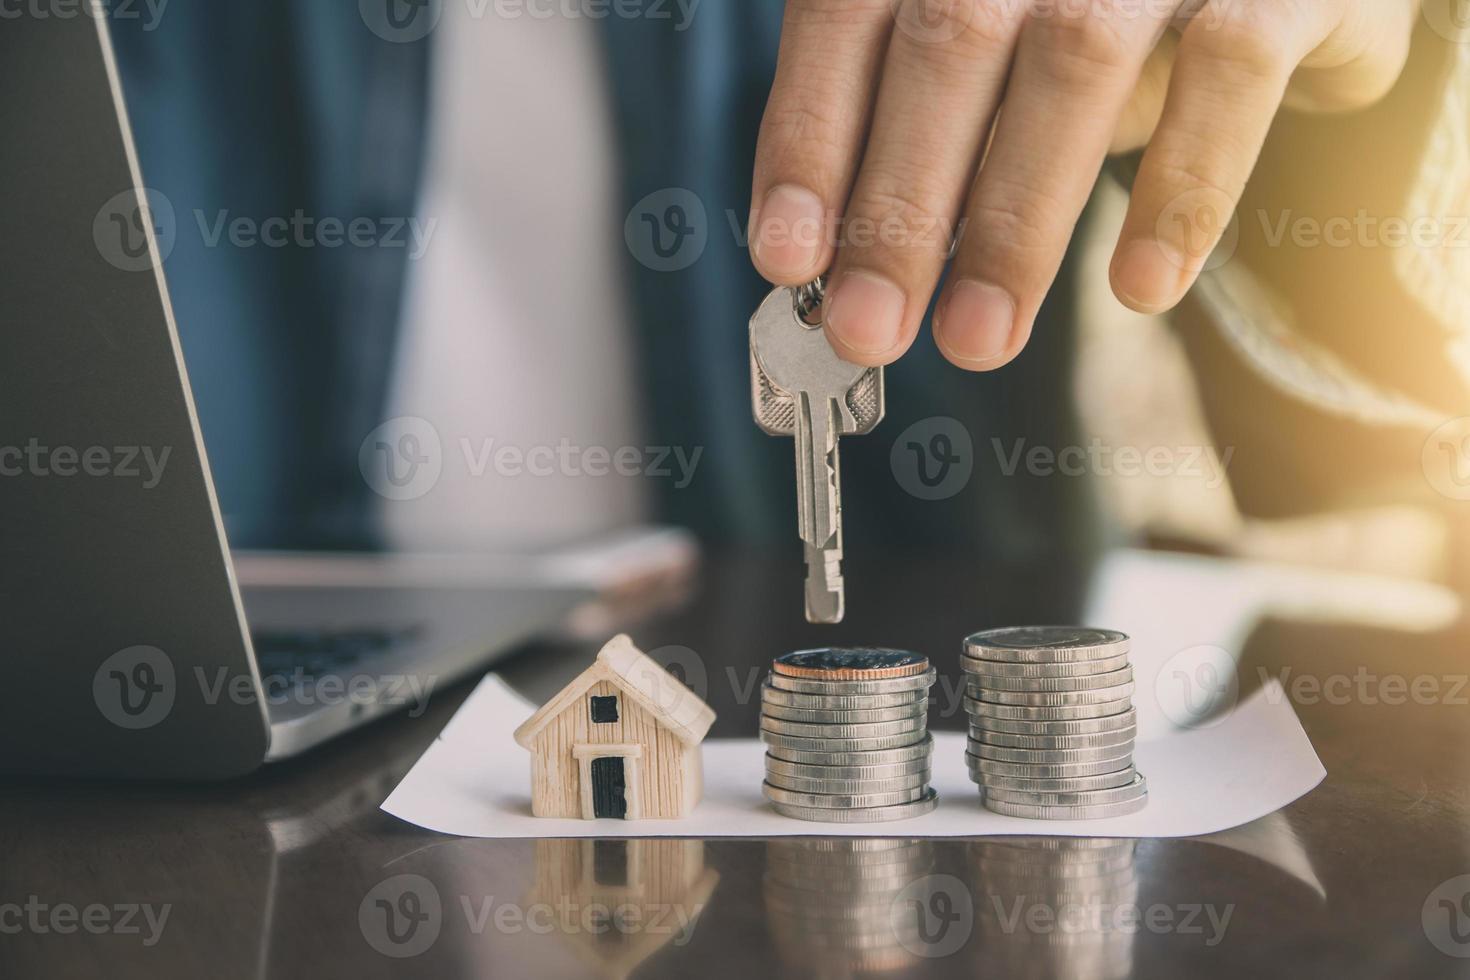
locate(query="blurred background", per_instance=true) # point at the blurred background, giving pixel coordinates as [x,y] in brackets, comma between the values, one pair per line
[540,335]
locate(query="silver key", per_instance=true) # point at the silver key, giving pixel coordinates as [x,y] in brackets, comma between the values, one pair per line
[801,388]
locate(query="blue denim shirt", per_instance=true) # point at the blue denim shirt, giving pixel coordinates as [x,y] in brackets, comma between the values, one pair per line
[275,107]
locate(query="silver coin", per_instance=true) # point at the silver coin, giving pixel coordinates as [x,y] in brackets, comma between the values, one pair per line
[839,702]
[846,845]
[915,857]
[1051,757]
[856,846]
[868,877]
[1046,644]
[814,907]
[842,946]
[1090,797]
[848,786]
[796,851]
[1038,847]
[833,748]
[877,729]
[1052,712]
[1054,699]
[846,756]
[864,880]
[1101,811]
[1067,668]
[1070,784]
[1037,770]
[891,685]
[856,716]
[1017,873]
[797,770]
[1077,726]
[1089,740]
[878,814]
[840,801]
[1087,682]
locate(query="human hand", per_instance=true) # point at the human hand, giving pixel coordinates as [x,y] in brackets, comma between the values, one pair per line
[882,111]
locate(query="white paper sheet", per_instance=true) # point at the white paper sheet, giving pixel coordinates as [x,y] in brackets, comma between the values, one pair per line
[475,782]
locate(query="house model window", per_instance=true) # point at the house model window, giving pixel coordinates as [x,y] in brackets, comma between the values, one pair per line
[605,710]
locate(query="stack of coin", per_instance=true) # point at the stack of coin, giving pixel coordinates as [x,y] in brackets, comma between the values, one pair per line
[830,903]
[1055,907]
[1052,722]
[847,735]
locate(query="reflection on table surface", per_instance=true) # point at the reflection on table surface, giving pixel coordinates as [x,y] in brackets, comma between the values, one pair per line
[294,871]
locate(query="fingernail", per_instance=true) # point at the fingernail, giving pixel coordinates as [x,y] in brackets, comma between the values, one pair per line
[789,230]
[1149,275]
[866,313]
[977,321]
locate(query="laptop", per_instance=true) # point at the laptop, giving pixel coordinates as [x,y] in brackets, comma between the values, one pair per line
[136,644]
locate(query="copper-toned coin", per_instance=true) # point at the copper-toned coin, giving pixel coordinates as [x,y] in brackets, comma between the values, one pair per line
[851,665]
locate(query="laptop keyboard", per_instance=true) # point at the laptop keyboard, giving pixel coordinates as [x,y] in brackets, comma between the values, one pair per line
[315,652]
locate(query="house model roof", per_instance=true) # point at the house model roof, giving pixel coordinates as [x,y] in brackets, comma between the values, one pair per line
[650,686]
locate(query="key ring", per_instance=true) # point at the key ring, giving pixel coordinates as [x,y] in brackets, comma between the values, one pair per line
[808,302]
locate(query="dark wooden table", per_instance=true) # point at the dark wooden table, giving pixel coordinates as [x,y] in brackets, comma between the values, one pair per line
[294,872]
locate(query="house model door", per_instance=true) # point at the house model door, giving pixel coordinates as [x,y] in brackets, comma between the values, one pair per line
[609,787]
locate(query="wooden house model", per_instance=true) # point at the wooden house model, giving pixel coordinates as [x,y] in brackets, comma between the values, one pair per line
[621,741]
[618,902]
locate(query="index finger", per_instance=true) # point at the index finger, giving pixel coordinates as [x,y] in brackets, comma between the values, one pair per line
[812,134]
